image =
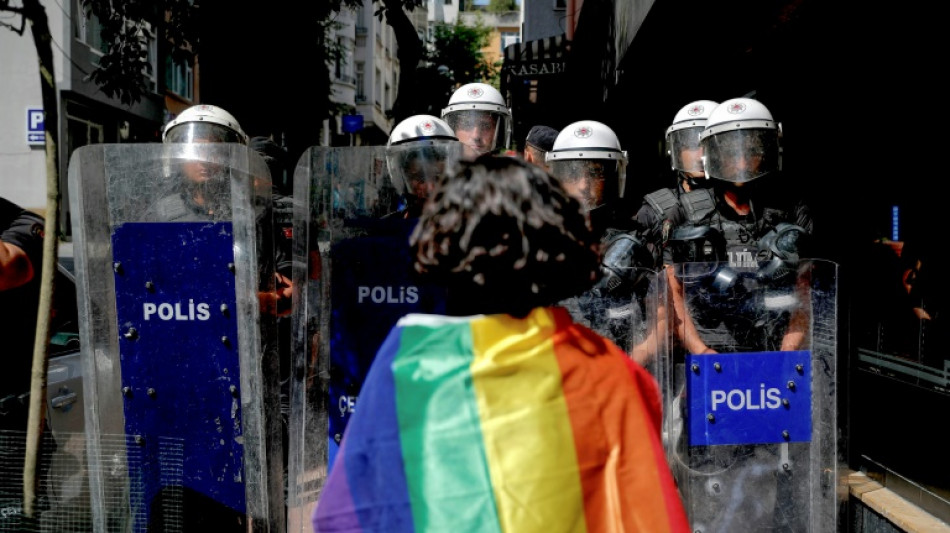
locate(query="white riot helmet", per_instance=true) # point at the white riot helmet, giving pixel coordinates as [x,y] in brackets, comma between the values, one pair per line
[204,123]
[420,150]
[741,141]
[586,158]
[683,135]
[477,113]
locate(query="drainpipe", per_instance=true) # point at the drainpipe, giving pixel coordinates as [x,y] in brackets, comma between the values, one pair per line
[569,30]
[573,9]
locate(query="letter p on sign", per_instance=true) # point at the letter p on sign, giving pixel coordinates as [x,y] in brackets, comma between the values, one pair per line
[35,133]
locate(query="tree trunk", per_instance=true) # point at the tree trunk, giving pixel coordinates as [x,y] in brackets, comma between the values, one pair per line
[409,54]
[36,15]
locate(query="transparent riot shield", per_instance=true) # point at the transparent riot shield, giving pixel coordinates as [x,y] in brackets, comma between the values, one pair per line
[750,422]
[627,314]
[175,281]
[353,279]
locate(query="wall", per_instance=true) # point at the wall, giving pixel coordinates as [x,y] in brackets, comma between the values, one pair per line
[543,18]
[23,167]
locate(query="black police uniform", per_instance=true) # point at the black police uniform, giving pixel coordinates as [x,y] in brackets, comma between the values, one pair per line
[18,313]
[18,309]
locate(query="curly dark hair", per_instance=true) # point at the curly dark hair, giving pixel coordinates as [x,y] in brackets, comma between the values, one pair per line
[504,237]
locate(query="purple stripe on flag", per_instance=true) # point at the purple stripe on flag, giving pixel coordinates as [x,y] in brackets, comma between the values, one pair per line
[367,489]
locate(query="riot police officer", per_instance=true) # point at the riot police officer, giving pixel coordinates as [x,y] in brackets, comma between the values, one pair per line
[481,120]
[661,208]
[682,143]
[205,238]
[749,216]
[587,159]
[372,282]
[738,284]
[418,152]
[21,260]
[591,165]
[203,184]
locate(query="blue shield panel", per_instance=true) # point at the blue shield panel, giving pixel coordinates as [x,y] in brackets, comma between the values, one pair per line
[175,306]
[749,398]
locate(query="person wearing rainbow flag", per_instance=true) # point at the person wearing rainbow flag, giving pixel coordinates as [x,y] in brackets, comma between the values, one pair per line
[503,414]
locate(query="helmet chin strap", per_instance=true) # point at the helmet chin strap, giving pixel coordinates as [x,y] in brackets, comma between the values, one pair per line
[693,182]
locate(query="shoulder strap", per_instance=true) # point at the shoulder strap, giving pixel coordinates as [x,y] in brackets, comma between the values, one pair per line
[663,201]
[698,204]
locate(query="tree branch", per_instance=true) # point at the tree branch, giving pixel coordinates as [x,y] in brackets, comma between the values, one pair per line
[5,6]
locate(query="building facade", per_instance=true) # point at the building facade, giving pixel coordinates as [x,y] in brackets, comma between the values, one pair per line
[505,30]
[366,77]
[86,114]
[442,11]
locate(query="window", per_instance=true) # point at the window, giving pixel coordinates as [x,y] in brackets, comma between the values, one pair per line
[560,4]
[90,31]
[338,67]
[379,89]
[141,33]
[151,74]
[360,81]
[361,18]
[361,26]
[81,130]
[509,37]
[179,78]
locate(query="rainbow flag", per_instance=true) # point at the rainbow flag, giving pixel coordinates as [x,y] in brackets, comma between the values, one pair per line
[497,424]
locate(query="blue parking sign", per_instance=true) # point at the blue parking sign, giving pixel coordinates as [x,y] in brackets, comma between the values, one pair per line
[35,131]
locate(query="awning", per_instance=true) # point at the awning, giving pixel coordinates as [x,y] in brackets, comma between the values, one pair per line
[533,83]
[536,58]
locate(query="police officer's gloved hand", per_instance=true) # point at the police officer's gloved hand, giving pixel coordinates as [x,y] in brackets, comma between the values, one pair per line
[780,251]
[625,260]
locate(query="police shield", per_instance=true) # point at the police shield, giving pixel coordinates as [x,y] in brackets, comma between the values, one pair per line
[353,279]
[175,278]
[750,423]
[623,307]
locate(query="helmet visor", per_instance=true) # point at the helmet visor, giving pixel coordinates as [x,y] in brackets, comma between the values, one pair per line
[587,179]
[416,167]
[202,173]
[199,132]
[480,131]
[686,155]
[741,155]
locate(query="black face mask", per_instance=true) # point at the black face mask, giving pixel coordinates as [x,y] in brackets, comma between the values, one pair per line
[694,183]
